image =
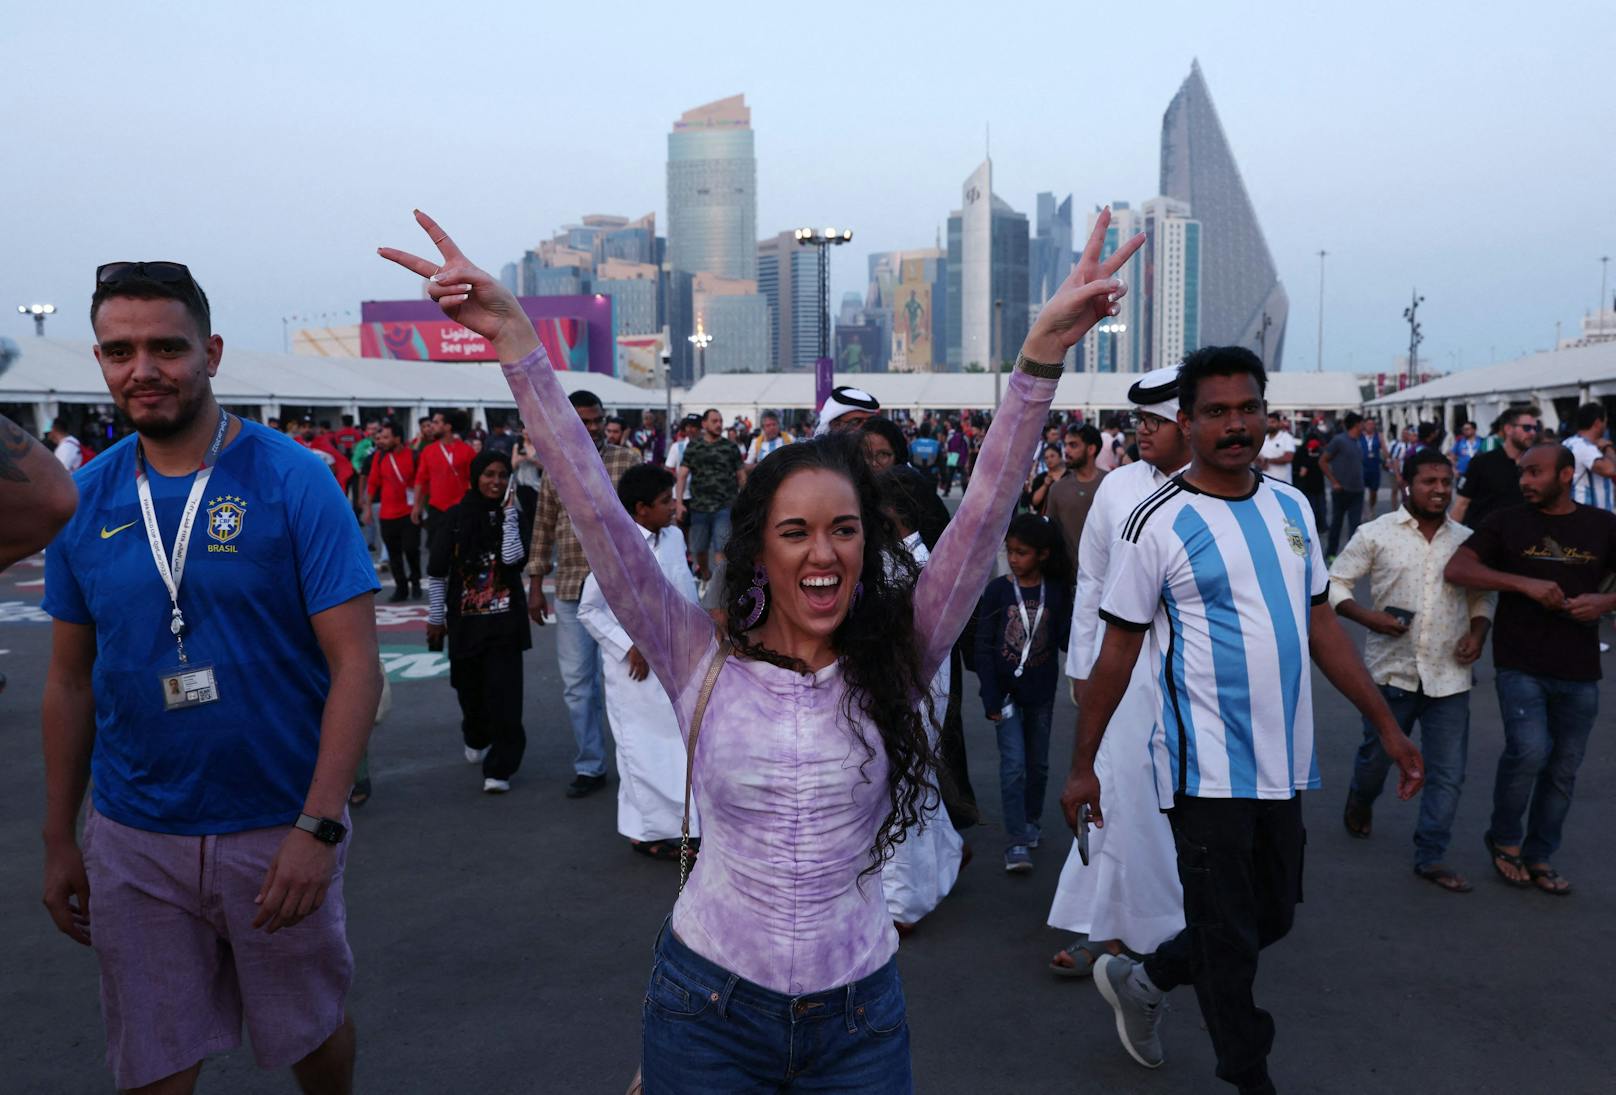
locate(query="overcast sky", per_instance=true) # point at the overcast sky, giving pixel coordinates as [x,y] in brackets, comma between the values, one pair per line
[1465,148]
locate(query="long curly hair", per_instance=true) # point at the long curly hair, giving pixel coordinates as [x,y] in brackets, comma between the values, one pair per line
[876,643]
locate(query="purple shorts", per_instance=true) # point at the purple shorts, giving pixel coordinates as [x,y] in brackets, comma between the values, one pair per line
[182,965]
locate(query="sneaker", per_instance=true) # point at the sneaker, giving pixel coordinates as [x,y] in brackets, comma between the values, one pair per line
[400,593]
[475,756]
[1017,860]
[1034,836]
[1138,1012]
[496,786]
[582,785]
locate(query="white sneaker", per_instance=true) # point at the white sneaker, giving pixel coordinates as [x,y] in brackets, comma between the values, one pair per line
[475,756]
[496,786]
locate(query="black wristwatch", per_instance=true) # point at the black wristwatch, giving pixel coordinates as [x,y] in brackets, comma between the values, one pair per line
[322,829]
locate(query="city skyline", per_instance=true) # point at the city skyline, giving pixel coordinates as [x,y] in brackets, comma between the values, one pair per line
[308,150]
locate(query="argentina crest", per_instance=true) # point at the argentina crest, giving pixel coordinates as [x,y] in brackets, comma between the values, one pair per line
[226,515]
[1296,538]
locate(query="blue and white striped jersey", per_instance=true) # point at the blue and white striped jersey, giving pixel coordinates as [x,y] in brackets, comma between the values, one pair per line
[1588,487]
[1225,587]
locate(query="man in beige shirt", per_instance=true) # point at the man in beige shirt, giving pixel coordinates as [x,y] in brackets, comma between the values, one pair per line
[1070,497]
[1423,637]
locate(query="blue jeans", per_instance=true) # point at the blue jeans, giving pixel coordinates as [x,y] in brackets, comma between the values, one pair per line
[1444,742]
[1546,726]
[709,530]
[1023,769]
[578,658]
[705,1029]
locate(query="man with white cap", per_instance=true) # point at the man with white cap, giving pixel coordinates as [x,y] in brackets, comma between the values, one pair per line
[846,409]
[1128,893]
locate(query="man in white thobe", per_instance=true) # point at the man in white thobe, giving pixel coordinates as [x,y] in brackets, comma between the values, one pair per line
[926,865]
[1129,892]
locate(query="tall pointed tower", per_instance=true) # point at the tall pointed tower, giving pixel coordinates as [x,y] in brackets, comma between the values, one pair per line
[1243,302]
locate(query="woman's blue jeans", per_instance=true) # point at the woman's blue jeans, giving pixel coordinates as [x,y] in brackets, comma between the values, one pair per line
[1023,769]
[707,1030]
[1547,722]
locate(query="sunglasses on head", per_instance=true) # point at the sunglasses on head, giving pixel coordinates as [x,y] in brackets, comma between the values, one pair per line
[167,273]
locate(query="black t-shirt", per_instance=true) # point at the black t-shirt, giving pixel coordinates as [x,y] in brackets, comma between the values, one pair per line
[1577,550]
[1307,476]
[1492,481]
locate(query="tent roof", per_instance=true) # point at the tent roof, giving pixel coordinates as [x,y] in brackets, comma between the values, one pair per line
[1571,369]
[66,371]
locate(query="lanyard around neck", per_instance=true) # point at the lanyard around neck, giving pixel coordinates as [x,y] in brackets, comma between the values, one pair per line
[1028,627]
[173,573]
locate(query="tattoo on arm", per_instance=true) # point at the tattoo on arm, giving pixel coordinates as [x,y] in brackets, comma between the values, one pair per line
[14,446]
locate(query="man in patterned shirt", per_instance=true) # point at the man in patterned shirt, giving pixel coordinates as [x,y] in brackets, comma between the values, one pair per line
[1425,633]
[712,469]
[577,655]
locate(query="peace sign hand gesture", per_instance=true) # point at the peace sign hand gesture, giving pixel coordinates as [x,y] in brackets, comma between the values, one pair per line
[1090,294]
[468,295]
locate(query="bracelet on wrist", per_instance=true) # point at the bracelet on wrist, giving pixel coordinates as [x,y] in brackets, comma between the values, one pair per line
[1038,369]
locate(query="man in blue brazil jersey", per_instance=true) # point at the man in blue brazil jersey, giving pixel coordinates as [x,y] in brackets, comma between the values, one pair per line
[1222,567]
[214,673]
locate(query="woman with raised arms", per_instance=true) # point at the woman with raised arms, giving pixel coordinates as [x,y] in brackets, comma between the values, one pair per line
[812,756]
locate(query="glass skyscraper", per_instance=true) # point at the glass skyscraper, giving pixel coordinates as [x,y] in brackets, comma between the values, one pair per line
[712,221]
[1239,283]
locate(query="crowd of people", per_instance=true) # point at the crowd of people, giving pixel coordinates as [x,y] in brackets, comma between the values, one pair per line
[776,627]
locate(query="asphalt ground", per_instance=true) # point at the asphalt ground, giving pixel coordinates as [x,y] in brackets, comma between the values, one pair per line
[503,943]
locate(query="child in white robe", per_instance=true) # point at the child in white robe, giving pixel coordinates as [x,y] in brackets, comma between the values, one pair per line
[650,752]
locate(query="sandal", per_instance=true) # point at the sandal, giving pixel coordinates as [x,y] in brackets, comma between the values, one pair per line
[1083,954]
[1503,859]
[1558,884]
[1446,877]
[656,849]
[1357,817]
[360,793]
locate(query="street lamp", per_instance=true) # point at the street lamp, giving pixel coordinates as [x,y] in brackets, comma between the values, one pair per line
[701,340]
[39,312]
[667,385]
[1415,337]
[1320,367]
[823,239]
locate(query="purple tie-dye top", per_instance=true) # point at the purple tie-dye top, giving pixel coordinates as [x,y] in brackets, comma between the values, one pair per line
[789,801]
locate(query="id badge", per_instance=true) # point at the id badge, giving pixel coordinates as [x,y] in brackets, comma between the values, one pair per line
[1008,711]
[188,686]
[409,496]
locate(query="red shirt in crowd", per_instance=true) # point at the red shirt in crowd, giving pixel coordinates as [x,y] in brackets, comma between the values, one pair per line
[444,473]
[392,481]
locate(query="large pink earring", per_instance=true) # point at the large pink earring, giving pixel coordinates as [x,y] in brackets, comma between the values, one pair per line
[758,595]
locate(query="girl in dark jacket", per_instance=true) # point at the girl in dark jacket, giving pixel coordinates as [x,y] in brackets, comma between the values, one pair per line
[474,576]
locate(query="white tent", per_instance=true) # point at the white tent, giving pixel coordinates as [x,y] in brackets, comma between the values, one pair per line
[750,394]
[50,373]
[1576,375]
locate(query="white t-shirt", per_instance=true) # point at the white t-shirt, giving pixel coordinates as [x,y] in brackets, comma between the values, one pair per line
[1281,444]
[1107,458]
[676,456]
[70,454]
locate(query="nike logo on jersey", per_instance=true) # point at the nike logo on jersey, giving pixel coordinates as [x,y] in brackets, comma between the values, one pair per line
[107,534]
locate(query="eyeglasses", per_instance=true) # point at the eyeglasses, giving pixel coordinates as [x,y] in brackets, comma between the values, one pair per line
[1145,422]
[1529,427]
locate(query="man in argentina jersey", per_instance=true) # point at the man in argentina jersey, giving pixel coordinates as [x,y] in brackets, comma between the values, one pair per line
[1222,567]
[1593,483]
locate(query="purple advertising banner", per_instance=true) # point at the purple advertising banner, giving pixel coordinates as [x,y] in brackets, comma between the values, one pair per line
[576,330]
[824,380]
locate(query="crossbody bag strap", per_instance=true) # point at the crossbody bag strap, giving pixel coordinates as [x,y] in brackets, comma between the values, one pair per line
[702,697]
